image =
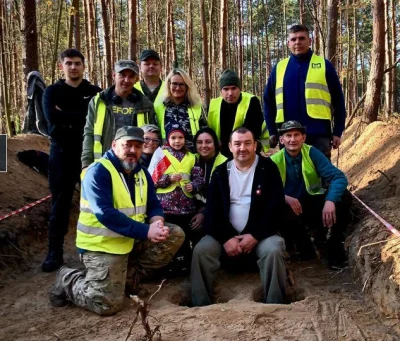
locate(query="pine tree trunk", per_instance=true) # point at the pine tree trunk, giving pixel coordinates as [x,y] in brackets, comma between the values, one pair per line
[77,28]
[253,84]
[239,39]
[331,44]
[5,94]
[132,30]
[172,35]
[223,33]
[29,35]
[388,61]
[393,97]
[111,5]
[374,88]
[167,37]
[57,35]
[106,31]
[301,11]
[205,55]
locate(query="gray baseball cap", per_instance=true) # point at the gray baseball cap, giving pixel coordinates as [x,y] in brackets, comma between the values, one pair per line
[129,133]
[126,65]
[291,125]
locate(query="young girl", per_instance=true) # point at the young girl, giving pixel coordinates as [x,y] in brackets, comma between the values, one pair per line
[176,188]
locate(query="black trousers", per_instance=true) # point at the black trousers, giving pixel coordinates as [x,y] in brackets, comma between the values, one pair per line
[64,172]
[297,230]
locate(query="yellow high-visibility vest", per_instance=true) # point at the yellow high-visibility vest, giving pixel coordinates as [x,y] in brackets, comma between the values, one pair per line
[101,109]
[92,235]
[219,160]
[183,168]
[194,114]
[311,178]
[138,86]
[214,113]
[214,117]
[318,97]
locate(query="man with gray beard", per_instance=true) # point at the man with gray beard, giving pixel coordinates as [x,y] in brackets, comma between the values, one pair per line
[120,218]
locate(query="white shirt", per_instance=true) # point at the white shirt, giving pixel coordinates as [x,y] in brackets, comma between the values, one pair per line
[240,184]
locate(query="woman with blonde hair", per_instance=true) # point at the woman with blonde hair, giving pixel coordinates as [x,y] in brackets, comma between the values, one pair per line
[180,104]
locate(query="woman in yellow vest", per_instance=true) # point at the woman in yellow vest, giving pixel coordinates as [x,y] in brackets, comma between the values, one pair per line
[176,189]
[180,102]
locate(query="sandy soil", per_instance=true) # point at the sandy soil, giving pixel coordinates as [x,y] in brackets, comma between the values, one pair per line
[335,305]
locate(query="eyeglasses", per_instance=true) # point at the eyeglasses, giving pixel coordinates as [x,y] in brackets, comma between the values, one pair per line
[148,140]
[178,85]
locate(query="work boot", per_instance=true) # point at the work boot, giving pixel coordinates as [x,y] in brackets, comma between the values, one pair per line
[58,297]
[53,261]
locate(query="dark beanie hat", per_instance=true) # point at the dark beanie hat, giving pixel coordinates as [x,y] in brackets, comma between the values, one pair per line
[229,77]
[171,128]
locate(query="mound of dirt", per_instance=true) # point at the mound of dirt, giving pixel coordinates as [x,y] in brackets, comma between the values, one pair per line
[21,236]
[370,157]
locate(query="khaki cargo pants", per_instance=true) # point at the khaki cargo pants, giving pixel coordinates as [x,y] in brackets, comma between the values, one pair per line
[100,287]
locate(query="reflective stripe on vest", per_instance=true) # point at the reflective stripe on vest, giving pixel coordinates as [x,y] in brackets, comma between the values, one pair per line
[157,101]
[93,235]
[194,114]
[318,98]
[264,138]
[214,113]
[312,181]
[101,109]
[183,168]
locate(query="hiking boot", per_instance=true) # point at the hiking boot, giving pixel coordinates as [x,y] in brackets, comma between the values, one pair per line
[53,261]
[58,297]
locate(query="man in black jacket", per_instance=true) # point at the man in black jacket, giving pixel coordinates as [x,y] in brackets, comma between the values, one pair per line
[65,106]
[244,204]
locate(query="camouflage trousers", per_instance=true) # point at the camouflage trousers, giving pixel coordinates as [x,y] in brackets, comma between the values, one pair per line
[100,287]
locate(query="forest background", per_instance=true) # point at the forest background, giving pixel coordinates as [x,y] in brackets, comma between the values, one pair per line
[203,37]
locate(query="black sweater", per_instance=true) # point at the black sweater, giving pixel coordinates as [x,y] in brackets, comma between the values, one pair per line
[266,208]
[66,123]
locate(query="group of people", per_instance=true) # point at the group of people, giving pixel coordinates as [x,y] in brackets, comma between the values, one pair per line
[218,199]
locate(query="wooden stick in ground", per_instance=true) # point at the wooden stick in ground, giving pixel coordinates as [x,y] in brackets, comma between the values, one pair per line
[143,310]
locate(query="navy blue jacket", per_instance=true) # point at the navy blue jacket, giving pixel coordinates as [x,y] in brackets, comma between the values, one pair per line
[295,101]
[97,189]
[267,203]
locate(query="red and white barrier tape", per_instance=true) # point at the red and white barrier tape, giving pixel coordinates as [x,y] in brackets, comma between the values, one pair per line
[25,207]
[383,221]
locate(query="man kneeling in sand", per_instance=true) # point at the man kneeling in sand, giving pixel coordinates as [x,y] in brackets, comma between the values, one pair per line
[117,199]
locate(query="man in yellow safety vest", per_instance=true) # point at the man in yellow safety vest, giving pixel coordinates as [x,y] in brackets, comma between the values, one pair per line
[310,206]
[119,105]
[305,88]
[151,84]
[120,218]
[233,109]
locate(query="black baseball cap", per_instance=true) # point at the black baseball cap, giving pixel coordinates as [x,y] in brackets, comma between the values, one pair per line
[149,54]
[291,125]
[129,133]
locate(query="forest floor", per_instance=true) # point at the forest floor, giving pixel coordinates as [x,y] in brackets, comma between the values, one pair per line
[359,303]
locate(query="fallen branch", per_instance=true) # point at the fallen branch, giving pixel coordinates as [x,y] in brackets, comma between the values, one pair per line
[353,114]
[143,310]
[384,175]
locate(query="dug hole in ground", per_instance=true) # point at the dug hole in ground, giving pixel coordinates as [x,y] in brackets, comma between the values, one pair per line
[360,303]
